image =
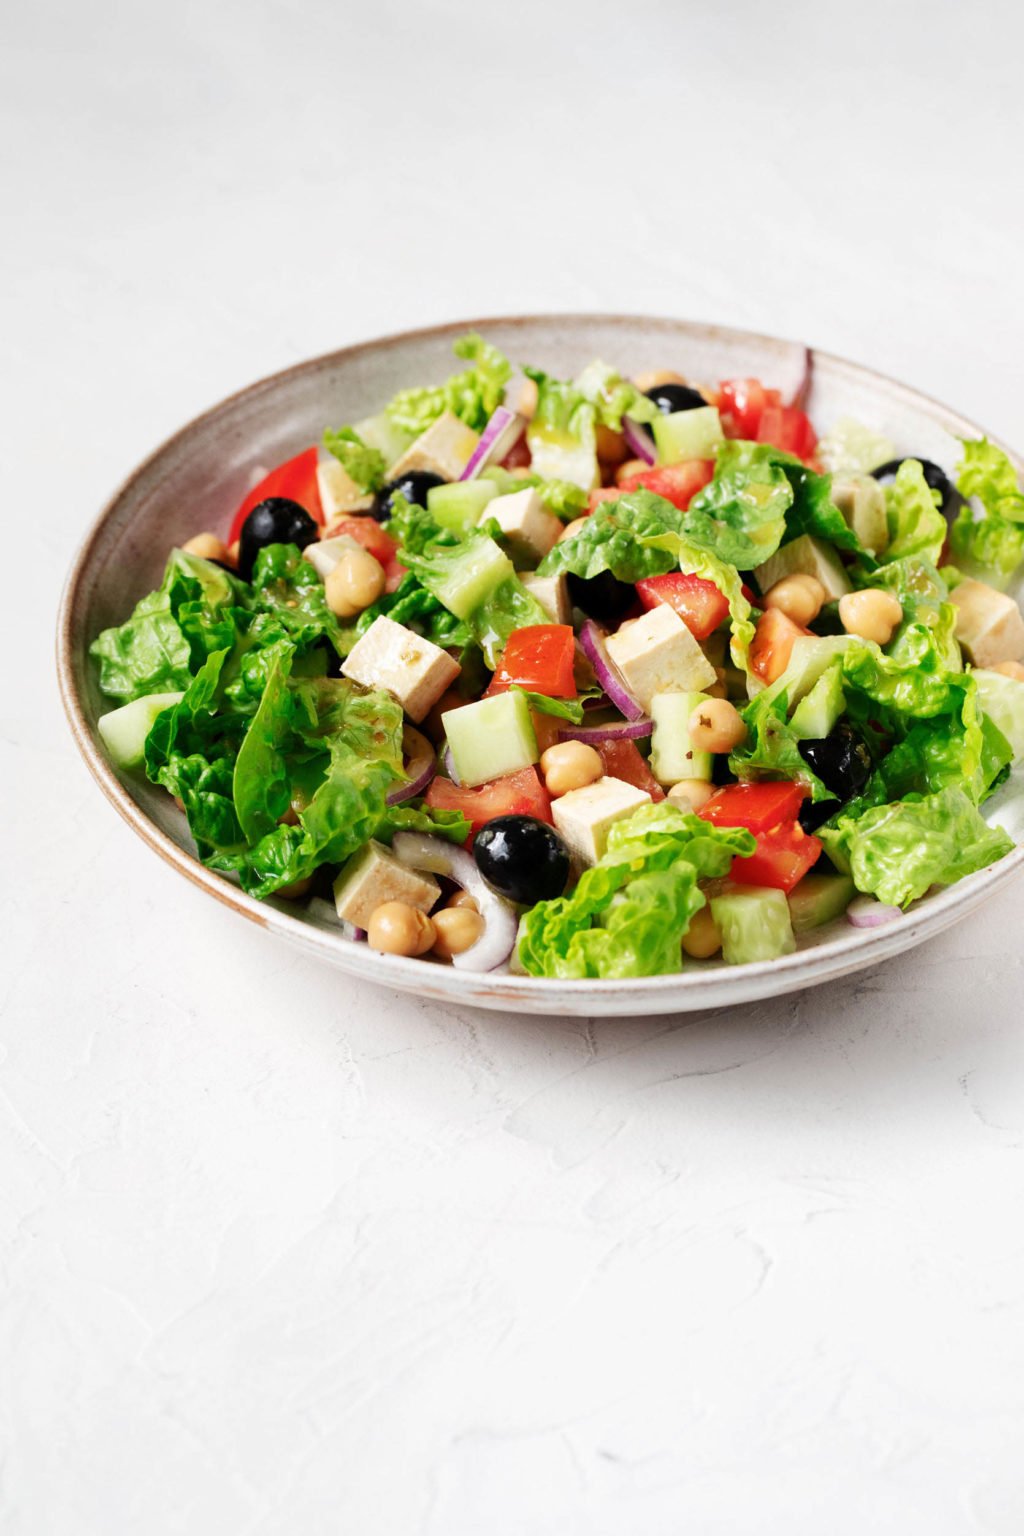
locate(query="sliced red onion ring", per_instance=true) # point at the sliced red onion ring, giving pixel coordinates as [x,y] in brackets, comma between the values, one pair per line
[802,386]
[608,675]
[421,851]
[866,912]
[615,730]
[449,766]
[640,440]
[501,433]
[421,765]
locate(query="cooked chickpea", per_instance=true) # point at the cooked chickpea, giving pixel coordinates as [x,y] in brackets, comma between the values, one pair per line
[800,598]
[462,899]
[612,447]
[691,794]
[872,614]
[1007,669]
[572,529]
[233,550]
[629,469]
[527,403]
[655,377]
[456,929]
[207,546]
[703,938]
[570,765]
[398,929]
[355,582]
[297,889]
[716,727]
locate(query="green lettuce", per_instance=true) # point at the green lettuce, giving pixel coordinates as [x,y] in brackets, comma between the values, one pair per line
[916,526]
[616,538]
[771,749]
[472,395]
[563,432]
[366,466]
[813,510]
[988,541]
[741,513]
[612,396]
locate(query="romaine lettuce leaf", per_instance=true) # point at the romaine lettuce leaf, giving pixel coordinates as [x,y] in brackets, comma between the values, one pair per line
[916,526]
[771,750]
[563,432]
[365,465]
[615,537]
[613,396]
[472,395]
[741,513]
[290,599]
[988,540]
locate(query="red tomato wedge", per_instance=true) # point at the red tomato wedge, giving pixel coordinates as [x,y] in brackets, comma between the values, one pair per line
[515,794]
[758,807]
[295,479]
[678,483]
[782,857]
[699,603]
[741,404]
[367,532]
[623,760]
[540,657]
[772,644]
[787,427]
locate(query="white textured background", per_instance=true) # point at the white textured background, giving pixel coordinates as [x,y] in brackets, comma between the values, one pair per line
[281,1255]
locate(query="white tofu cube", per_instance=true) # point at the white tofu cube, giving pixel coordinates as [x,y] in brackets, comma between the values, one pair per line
[584,816]
[339,493]
[324,554]
[657,654]
[989,625]
[529,529]
[552,592]
[415,670]
[445,448]
[372,877]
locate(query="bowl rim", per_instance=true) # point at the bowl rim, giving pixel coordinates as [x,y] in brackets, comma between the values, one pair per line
[859,948]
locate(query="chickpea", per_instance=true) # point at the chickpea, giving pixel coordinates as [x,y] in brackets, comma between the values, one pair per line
[612,447]
[396,928]
[703,938]
[456,929]
[630,468]
[1007,669]
[800,598]
[691,794]
[462,899]
[873,614]
[527,405]
[572,529]
[297,889]
[233,552]
[716,727]
[656,376]
[355,582]
[570,765]
[207,546]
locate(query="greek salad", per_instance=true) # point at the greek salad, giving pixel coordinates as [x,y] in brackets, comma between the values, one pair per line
[593,677]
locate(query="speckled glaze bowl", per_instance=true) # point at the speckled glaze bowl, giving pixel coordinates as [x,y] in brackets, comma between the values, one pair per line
[197,478]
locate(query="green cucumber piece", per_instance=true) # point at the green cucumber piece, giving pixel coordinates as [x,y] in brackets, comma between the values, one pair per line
[810,657]
[672,754]
[688,435]
[818,711]
[755,924]
[124,730]
[491,737]
[459,505]
[471,577]
[806,556]
[819,899]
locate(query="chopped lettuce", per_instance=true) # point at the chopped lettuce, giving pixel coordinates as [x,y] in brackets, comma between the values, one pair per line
[472,395]
[615,538]
[612,396]
[363,464]
[771,749]
[851,448]
[563,432]
[741,513]
[916,526]
[813,510]
[987,537]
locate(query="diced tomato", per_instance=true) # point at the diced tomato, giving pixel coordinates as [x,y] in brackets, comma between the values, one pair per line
[699,603]
[295,479]
[751,596]
[518,456]
[541,658]
[623,760]
[782,857]
[772,644]
[741,404]
[603,493]
[678,483]
[758,807]
[514,794]
[789,428]
[545,728]
[367,532]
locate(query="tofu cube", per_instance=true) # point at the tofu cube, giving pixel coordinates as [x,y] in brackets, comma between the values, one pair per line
[989,625]
[552,592]
[657,654]
[374,876]
[324,554]
[584,816]
[445,448]
[529,529]
[339,493]
[415,670]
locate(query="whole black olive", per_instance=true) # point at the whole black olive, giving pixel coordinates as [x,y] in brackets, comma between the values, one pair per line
[413,485]
[842,761]
[676,397]
[524,859]
[603,597]
[935,477]
[277,520]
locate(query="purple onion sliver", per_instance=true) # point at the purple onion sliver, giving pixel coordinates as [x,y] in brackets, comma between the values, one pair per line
[607,673]
[640,440]
[618,730]
[866,912]
[503,430]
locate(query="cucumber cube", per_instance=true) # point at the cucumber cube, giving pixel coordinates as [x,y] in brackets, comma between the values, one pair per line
[472,576]
[688,435]
[459,506]
[818,711]
[819,899]
[806,556]
[672,754]
[124,730]
[755,924]
[491,737]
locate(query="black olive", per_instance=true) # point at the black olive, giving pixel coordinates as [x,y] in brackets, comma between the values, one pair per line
[842,761]
[413,485]
[676,397]
[935,477]
[523,859]
[274,521]
[603,597]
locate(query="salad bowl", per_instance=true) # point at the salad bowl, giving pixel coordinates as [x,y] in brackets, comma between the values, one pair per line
[201,474]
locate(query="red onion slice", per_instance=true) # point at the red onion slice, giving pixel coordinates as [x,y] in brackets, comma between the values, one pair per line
[608,675]
[866,912]
[421,765]
[615,730]
[501,434]
[640,440]
[421,851]
[449,766]
[802,386]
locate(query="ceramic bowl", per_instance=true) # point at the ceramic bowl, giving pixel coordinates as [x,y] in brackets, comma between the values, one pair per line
[197,478]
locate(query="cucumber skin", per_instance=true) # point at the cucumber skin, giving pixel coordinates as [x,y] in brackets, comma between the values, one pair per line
[674,761]
[491,738]
[755,925]
[819,899]
[124,730]
[688,435]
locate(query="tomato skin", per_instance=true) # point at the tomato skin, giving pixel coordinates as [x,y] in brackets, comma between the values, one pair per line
[741,404]
[518,456]
[515,794]
[699,603]
[782,857]
[772,644]
[678,483]
[758,807]
[296,479]
[788,428]
[369,533]
[623,760]
[540,657]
